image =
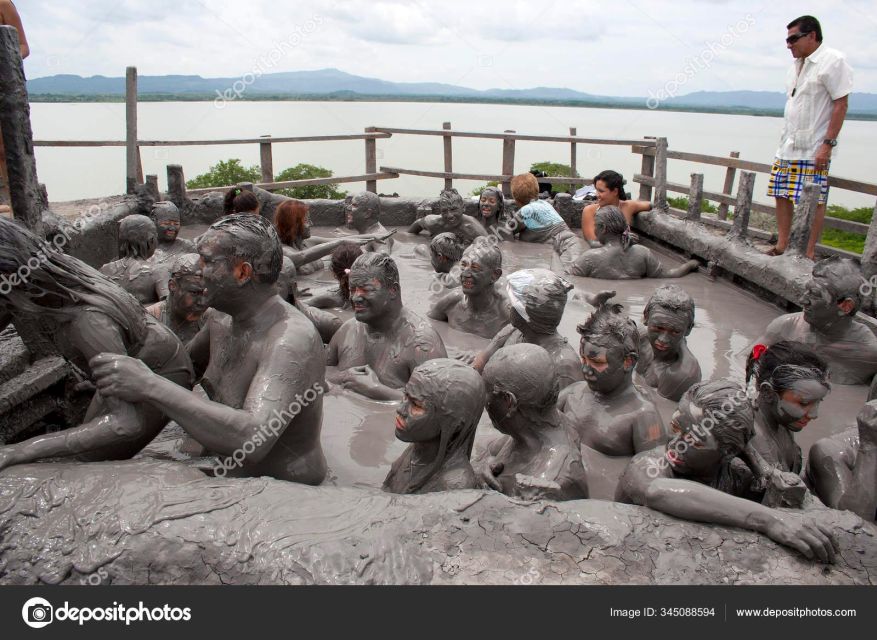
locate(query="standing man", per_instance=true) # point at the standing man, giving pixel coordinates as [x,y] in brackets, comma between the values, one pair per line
[817,88]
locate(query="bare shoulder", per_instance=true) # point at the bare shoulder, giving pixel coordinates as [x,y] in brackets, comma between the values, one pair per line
[293,334]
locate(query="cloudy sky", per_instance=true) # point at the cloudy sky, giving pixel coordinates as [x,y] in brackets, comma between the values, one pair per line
[609,48]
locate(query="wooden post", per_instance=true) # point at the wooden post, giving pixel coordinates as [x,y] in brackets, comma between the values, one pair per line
[869,254]
[132,155]
[695,197]
[572,158]
[647,169]
[266,160]
[743,207]
[152,187]
[728,189]
[449,183]
[371,160]
[802,220]
[17,135]
[508,162]
[176,185]
[661,174]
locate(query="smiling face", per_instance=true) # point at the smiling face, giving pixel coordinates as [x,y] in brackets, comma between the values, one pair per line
[217,268]
[794,408]
[820,309]
[416,420]
[452,215]
[693,450]
[605,369]
[168,226]
[667,331]
[368,295]
[605,197]
[187,296]
[476,274]
[488,205]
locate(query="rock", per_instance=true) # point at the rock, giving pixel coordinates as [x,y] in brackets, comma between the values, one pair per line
[151,522]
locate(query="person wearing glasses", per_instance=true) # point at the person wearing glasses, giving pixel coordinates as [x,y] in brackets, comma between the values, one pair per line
[817,87]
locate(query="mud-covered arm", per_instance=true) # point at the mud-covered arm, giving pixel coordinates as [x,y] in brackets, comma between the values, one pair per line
[439,309]
[648,430]
[416,227]
[497,343]
[861,498]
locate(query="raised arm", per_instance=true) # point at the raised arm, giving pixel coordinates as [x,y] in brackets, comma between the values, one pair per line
[416,227]
[439,309]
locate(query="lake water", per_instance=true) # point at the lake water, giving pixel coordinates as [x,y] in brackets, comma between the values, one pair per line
[74,173]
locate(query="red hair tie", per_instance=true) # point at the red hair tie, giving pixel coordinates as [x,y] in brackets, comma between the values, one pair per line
[758,350]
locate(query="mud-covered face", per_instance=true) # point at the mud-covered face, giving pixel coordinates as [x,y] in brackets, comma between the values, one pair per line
[476,276]
[368,295]
[693,449]
[820,309]
[667,331]
[604,368]
[517,320]
[605,197]
[187,295]
[794,408]
[488,205]
[168,227]
[360,212]
[440,263]
[416,419]
[217,268]
[498,407]
[306,229]
[348,211]
[452,215]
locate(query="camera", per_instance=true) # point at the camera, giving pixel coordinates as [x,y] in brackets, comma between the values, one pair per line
[39,613]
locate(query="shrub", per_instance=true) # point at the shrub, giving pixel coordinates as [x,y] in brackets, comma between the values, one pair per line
[224,174]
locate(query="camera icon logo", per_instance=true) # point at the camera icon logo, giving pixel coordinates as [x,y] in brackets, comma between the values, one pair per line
[37,613]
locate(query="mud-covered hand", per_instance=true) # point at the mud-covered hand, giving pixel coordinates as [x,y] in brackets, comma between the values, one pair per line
[804,533]
[360,379]
[121,377]
[488,473]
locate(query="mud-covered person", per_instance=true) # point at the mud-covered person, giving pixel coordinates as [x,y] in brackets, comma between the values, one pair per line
[451,219]
[262,362]
[377,349]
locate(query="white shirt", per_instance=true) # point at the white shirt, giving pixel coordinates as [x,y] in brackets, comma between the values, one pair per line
[817,80]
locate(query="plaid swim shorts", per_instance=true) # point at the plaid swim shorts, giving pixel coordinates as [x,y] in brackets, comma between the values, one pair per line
[788,177]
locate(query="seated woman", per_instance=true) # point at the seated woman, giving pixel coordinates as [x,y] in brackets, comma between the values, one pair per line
[133,271]
[293,225]
[539,455]
[341,262]
[239,200]
[451,219]
[617,259]
[842,469]
[476,307]
[669,318]
[611,413]
[538,298]
[610,193]
[537,221]
[491,205]
[440,409]
[697,475]
[82,314]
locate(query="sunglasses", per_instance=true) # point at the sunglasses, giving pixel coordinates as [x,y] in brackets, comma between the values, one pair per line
[792,39]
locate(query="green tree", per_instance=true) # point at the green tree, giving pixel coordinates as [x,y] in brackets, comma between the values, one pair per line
[303,172]
[555,170]
[682,203]
[477,190]
[224,174]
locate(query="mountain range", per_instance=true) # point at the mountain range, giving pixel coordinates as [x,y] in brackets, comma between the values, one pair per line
[336,84]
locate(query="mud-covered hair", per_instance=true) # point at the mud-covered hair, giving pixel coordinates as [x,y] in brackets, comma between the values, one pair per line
[165,209]
[187,264]
[610,321]
[613,181]
[784,363]
[239,200]
[138,237]
[535,384]
[488,253]
[450,199]
[253,240]
[368,201]
[843,278]
[60,285]
[343,258]
[725,402]
[447,244]
[379,264]
[673,298]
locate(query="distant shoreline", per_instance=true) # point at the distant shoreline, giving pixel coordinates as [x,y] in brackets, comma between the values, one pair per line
[635,105]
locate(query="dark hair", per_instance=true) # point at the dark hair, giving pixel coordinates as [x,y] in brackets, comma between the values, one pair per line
[610,320]
[239,200]
[784,363]
[343,258]
[138,237]
[497,193]
[450,199]
[165,209]
[613,181]
[671,297]
[186,264]
[807,24]
[289,220]
[60,284]
[383,266]
[254,241]
[447,244]
[843,277]
[724,402]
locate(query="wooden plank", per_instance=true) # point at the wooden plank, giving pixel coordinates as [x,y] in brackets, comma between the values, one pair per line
[266,160]
[455,176]
[572,153]
[648,169]
[198,143]
[130,128]
[728,187]
[508,162]
[371,160]
[661,173]
[273,186]
[516,136]
[448,150]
